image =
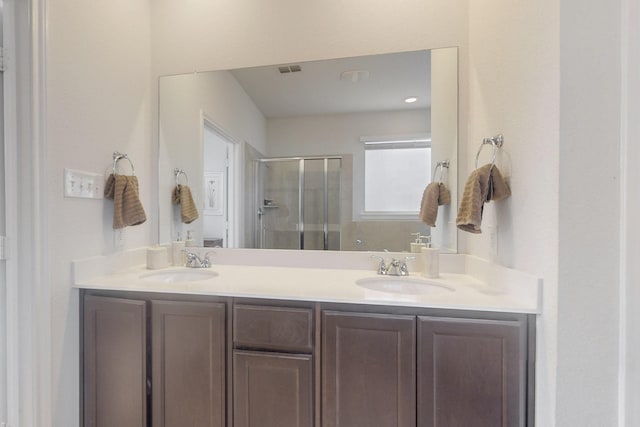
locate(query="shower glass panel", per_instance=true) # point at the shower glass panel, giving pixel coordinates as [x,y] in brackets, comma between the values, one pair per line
[298,203]
[280,204]
[334,195]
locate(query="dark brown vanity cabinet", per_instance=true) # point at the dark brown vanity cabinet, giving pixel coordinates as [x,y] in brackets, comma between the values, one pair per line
[368,370]
[188,364]
[465,372]
[115,362]
[272,366]
[471,372]
[150,360]
[272,389]
[171,352]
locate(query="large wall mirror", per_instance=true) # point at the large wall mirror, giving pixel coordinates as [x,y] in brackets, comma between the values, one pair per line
[331,154]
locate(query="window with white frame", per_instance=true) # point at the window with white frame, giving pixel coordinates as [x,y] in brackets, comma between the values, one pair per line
[396,171]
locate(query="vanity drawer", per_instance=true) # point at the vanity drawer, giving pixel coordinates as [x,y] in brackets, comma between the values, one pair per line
[273,328]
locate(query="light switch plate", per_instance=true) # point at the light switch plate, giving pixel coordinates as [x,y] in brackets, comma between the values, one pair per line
[85,185]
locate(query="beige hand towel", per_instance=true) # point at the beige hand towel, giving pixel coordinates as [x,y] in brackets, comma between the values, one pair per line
[483,185]
[127,209]
[498,187]
[429,204]
[444,196]
[182,196]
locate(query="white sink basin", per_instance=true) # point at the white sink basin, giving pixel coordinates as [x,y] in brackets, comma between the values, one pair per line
[403,285]
[179,275]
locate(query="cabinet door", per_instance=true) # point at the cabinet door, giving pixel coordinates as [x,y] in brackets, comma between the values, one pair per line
[188,364]
[368,370]
[272,389]
[115,368]
[471,373]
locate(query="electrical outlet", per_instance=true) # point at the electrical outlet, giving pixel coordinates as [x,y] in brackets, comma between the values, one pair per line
[84,185]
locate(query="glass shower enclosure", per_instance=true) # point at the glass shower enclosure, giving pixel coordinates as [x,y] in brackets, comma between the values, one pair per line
[298,203]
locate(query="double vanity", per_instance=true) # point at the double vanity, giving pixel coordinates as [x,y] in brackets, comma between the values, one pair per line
[277,338]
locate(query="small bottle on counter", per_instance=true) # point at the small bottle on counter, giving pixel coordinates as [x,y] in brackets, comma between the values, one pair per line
[190,240]
[418,244]
[177,251]
[430,260]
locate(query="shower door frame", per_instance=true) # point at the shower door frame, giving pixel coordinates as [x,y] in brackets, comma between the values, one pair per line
[260,235]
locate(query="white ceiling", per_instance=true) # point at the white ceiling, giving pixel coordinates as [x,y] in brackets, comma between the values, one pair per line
[319,89]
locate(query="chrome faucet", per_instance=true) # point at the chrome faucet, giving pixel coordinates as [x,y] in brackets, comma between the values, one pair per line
[395,267]
[194,261]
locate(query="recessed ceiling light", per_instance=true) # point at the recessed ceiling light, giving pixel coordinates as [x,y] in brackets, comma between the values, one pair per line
[410,99]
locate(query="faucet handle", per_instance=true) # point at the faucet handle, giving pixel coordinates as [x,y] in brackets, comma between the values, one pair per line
[382,267]
[206,262]
[404,270]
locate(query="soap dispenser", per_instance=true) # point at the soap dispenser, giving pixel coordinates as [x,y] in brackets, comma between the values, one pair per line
[177,251]
[418,244]
[430,260]
[190,240]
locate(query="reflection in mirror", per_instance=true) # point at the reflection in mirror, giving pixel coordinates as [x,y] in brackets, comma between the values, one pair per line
[320,155]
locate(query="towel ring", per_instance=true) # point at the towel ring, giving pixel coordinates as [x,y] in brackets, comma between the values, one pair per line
[441,165]
[496,142]
[177,172]
[119,156]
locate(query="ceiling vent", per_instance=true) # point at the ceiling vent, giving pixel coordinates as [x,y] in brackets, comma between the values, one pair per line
[284,69]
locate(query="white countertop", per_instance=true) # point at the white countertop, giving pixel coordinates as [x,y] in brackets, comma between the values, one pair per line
[452,290]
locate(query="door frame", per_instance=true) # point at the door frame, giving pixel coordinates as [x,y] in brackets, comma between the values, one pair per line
[29,369]
[232,179]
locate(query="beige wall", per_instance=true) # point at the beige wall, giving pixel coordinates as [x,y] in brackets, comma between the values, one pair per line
[589,262]
[630,244]
[228,34]
[328,134]
[98,90]
[514,88]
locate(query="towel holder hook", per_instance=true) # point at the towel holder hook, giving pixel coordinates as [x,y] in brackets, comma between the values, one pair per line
[496,142]
[117,156]
[440,165]
[177,172]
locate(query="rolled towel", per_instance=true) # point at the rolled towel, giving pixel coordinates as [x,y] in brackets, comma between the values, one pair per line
[444,196]
[127,208]
[483,185]
[182,196]
[429,204]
